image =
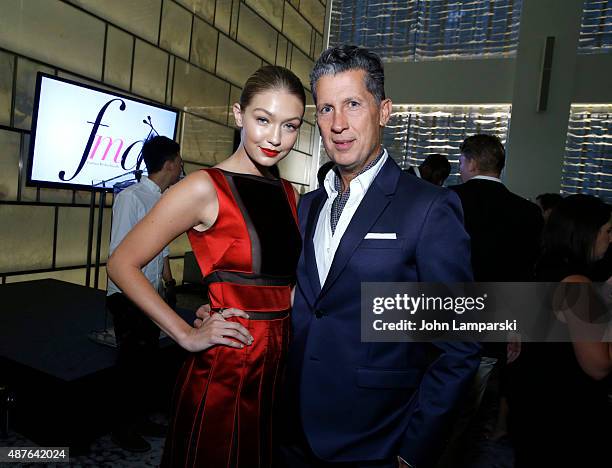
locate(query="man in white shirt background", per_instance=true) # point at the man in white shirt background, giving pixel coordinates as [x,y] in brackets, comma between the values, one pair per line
[137,336]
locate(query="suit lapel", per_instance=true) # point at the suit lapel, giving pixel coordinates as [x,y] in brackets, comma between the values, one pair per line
[309,252]
[371,207]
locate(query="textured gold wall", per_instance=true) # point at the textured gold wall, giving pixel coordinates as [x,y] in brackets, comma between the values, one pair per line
[191,54]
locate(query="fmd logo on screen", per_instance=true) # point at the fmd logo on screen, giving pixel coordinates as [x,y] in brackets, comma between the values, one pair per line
[84,136]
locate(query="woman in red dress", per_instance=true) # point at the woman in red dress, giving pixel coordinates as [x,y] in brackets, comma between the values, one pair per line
[242,225]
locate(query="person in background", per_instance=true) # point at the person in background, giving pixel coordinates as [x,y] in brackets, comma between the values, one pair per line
[546,202]
[435,169]
[559,414]
[137,336]
[505,231]
[242,225]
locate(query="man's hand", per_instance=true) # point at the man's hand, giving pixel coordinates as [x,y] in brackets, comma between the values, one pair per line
[211,330]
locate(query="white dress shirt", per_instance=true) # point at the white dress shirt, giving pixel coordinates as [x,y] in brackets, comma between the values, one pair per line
[129,207]
[486,177]
[326,243]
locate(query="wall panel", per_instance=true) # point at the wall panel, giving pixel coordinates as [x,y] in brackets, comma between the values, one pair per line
[27,237]
[53,32]
[9,164]
[7,67]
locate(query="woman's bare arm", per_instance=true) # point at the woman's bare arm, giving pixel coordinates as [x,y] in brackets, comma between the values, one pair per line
[595,358]
[191,202]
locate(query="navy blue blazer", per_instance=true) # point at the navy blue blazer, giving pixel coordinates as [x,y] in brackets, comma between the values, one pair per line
[368,401]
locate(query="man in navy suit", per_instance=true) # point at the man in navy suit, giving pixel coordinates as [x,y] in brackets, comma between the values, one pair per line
[355,404]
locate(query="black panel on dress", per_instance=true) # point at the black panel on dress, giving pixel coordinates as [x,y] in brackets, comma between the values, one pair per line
[267,206]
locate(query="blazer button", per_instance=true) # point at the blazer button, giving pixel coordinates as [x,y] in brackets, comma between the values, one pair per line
[319,313]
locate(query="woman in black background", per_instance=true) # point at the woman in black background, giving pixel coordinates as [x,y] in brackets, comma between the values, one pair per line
[559,411]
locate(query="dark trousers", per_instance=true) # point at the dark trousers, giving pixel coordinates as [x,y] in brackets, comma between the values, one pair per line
[296,453]
[138,343]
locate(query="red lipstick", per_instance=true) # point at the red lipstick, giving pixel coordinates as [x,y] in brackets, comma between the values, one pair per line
[269,152]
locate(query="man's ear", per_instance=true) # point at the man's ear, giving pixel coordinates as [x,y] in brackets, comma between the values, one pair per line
[386,107]
[236,109]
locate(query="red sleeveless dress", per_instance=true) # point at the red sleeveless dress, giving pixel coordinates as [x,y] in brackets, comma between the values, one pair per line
[225,397]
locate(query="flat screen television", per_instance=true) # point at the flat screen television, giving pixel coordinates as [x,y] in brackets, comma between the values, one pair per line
[82,135]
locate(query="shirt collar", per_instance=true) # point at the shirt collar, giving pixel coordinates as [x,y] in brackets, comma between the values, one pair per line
[148,183]
[364,178]
[484,177]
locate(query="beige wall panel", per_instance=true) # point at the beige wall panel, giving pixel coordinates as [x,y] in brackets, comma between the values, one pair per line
[48,195]
[9,164]
[27,237]
[7,67]
[256,34]
[176,265]
[27,193]
[304,143]
[302,189]
[179,246]
[204,45]
[118,64]
[318,47]
[301,65]
[72,231]
[203,8]
[78,79]
[271,10]
[175,29]
[138,16]
[234,97]
[170,80]
[102,279]
[199,92]
[106,231]
[205,142]
[310,113]
[150,71]
[24,96]
[223,15]
[296,167]
[314,12]
[281,51]
[297,29]
[234,20]
[53,32]
[235,63]
[189,167]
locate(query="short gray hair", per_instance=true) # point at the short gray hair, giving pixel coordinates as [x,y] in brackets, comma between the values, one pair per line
[345,58]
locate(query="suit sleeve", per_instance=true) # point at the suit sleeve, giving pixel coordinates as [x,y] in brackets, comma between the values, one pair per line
[443,255]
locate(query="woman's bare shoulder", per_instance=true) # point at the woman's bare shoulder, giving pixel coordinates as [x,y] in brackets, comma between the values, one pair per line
[198,184]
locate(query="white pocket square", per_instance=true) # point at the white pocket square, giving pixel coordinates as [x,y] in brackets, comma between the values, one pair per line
[381,235]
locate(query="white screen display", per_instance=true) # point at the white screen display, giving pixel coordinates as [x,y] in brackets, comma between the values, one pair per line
[83,136]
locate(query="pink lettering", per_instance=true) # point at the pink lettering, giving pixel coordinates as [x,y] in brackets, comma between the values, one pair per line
[109,144]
